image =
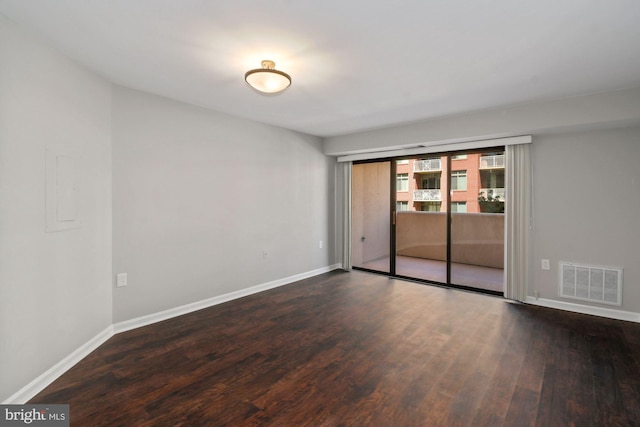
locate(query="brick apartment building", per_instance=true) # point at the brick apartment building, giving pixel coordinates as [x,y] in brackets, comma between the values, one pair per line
[477,181]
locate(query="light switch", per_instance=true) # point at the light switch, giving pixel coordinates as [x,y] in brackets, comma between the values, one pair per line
[121,280]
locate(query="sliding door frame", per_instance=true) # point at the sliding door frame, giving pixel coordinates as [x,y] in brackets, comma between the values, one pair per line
[393,210]
[393,213]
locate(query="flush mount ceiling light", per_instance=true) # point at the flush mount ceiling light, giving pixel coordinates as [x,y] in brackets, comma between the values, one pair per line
[267,79]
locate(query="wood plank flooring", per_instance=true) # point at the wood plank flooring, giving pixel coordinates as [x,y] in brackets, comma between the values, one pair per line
[357,349]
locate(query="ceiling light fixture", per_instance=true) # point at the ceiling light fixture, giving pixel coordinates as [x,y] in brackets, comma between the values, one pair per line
[267,79]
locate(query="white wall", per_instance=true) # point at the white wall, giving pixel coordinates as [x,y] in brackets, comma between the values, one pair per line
[618,108]
[587,206]
[199,195]
[55,288]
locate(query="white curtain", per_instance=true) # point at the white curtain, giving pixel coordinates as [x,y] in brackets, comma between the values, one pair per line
[518,220]
[346,217]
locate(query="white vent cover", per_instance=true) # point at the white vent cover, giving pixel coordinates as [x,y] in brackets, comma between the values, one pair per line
[591,283]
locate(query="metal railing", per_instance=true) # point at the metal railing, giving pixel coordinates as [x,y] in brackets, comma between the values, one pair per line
[427,195]
[493,193]
[428,165]
[492,162]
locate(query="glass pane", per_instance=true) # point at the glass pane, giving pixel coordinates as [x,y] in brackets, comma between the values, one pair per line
[459,180]
[421,229]
[370,216]
[477,234]
[402,182]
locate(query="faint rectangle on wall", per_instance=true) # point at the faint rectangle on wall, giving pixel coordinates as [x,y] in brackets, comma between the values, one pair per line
[62,196]
[591,283]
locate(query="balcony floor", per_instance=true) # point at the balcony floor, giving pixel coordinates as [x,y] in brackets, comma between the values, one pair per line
[486,278]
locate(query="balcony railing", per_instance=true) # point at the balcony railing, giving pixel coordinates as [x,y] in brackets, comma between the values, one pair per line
[428,165]
[493,193]
[478,238]
[492,162]
[427,195]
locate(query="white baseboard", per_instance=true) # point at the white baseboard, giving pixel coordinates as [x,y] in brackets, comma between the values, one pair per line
[586,309]
[209,302]
[27,392]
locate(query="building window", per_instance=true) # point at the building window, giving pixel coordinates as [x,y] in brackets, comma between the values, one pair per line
[402,162]
[459,157]
[402,182]
[430,207]
[402,206]
[458,206]
[492,178]
[431,182]
[459,180]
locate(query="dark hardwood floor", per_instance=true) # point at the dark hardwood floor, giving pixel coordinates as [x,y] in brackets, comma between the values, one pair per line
[357,349]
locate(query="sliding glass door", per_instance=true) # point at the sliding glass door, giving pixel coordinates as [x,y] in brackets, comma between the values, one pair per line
[421,218]
[477,220]
[437,218]
[370,216]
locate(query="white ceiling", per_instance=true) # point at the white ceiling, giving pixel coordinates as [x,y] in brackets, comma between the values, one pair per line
[355,64]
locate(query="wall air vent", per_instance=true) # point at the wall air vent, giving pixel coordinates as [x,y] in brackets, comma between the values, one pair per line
[591,283]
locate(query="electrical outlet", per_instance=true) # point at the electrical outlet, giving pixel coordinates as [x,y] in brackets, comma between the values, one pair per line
[121,280]
[546,265]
